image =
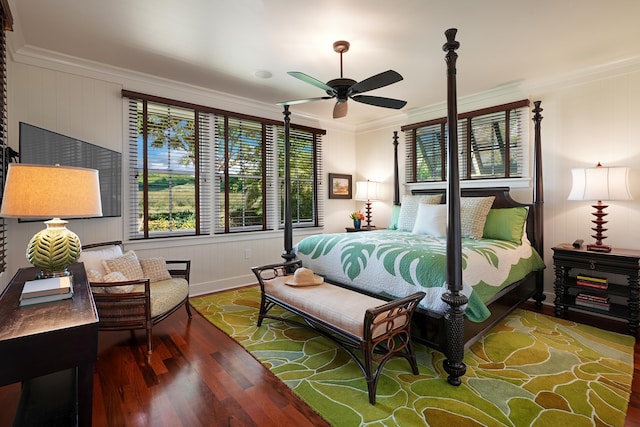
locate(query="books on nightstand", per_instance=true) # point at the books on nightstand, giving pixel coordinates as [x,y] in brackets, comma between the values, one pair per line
[600,283]
[46,290]
[600,302]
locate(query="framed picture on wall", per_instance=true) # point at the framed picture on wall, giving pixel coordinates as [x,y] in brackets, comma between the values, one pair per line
[339,186]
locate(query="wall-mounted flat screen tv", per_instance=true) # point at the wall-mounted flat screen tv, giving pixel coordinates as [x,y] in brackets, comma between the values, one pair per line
[44,147]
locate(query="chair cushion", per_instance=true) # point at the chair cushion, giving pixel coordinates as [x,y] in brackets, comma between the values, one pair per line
[155,269]
[167,294]
[126,264]
[93,258]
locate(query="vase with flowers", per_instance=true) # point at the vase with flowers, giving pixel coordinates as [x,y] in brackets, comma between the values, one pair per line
[357,218]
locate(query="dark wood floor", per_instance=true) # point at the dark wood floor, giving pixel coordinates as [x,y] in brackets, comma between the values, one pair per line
[200,377]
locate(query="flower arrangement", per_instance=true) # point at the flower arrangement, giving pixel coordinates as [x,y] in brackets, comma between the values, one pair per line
[357,215]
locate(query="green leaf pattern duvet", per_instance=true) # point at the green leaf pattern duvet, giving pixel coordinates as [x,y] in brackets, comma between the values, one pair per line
[396,264]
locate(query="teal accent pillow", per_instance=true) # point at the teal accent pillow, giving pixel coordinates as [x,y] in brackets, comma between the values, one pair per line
[395,214]
[505,224]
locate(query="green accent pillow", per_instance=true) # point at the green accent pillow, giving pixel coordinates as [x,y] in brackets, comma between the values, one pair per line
[395,213]
[505,224]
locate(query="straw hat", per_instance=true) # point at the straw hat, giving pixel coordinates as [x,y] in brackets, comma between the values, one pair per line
[304,277]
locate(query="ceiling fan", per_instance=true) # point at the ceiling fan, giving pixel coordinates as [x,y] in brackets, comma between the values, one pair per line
[342,88]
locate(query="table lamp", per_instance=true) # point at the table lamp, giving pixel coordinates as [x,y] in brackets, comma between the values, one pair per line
[367,190]
[43,191]
[600,184]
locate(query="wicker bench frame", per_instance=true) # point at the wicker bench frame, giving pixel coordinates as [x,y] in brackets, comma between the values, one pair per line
[386,327]
[132,310]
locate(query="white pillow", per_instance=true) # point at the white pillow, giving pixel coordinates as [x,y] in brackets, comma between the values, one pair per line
[155,269]
[431,220]
[127,264]
[409,209]
[93,258]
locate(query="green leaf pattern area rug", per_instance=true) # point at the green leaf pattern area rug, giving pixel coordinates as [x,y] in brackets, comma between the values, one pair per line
[530,370]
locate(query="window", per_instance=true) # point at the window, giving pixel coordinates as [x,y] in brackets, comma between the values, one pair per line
[304,169]
[492,144]
[242,173]
[166,171]
[195,169]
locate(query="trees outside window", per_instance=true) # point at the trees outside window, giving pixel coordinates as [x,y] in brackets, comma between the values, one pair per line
[194,170]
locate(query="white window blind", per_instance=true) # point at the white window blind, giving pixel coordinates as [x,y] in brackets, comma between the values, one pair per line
[492,143]
[195,169]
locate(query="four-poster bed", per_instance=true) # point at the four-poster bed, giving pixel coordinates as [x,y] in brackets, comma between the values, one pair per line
[359,262]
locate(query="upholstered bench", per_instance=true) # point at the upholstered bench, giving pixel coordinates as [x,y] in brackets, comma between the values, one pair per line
[379,329]
[159,287]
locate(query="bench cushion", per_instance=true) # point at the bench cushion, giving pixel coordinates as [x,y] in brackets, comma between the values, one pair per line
[337,306]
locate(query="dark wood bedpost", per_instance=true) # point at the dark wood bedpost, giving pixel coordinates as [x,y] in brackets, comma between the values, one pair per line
[454,316]
[288,221]
[538,200]
[396,176]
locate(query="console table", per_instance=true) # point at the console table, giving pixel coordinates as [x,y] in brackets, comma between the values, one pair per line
[43,339]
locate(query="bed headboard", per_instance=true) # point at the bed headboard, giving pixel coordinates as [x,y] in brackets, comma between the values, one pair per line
[503,199]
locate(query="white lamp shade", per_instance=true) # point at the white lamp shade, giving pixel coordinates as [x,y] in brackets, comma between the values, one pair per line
[600,183]
[367,190]
[43,191]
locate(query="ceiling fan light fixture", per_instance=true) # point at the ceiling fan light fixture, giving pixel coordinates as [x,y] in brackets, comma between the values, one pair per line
[341,46]
[343,88]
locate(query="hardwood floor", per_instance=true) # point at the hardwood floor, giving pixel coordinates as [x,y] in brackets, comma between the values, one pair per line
[198,376]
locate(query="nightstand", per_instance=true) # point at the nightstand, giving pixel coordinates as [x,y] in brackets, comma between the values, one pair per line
[365,228]
[604,283]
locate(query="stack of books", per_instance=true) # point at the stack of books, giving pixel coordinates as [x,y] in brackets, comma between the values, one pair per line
[592,282]
[46,290]
[585,299]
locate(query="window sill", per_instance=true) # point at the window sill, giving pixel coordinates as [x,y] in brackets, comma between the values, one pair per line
[217,238]
[476,183]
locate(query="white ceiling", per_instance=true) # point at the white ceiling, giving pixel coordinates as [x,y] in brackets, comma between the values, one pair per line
[219,44]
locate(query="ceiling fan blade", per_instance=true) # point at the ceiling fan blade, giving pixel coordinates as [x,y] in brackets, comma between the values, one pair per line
[311,80]
[302,101]
[340,109]
[379,101]
[374,82]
